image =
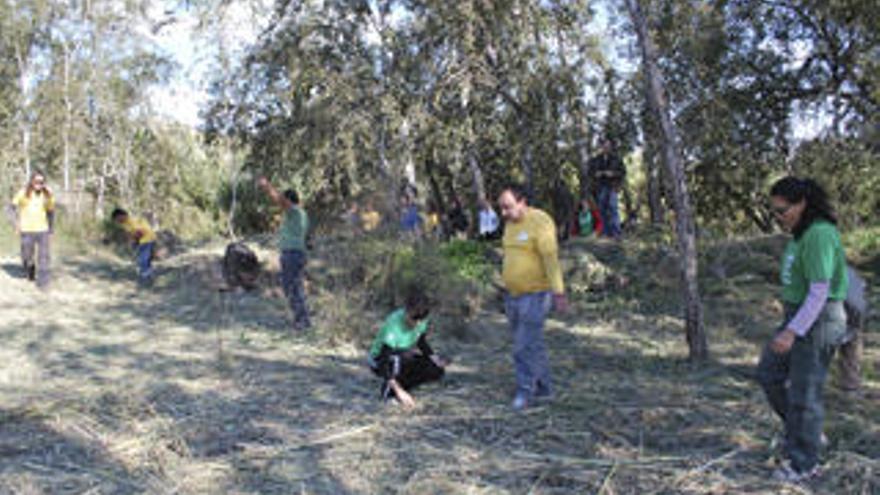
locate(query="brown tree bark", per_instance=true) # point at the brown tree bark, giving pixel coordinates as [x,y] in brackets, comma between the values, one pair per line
[654,179]
[655,93]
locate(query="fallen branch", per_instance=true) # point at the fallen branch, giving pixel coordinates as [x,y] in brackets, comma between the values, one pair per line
[705,467]
[563,459]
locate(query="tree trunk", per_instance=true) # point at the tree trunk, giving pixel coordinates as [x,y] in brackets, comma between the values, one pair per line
[584,152]
[68,110]
[409,166]
[686,230]
[653,177]
[23,60]
[385,168]
[439,203]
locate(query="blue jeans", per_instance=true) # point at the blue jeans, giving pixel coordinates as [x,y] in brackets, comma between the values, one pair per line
[526,314]
[293,262]
[793,383]
[608,210]
[145,260]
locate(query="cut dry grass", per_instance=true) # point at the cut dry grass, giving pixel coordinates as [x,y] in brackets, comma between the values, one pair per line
[185,389]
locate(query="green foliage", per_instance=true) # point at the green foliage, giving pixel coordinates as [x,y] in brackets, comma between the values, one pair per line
[862,243]
[469,260]
[850,173]
[373,275]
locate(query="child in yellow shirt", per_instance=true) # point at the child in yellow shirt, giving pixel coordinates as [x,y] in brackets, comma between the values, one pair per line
[144,239]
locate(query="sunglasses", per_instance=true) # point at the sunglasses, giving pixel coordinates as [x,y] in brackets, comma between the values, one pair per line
[781,211]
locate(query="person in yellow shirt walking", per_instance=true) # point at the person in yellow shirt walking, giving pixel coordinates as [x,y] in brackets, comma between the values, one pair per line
[533,279]
[34,214]
[144,239]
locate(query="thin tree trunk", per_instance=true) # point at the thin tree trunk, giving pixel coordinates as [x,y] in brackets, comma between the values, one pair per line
[653,177]
[584,152]
[409,166]
[385,168]
[687,243]
[476,171]
[655,192]
[233,204]
[67,117]
[24,119]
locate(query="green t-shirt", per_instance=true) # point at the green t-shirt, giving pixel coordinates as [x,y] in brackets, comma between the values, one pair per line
[294,226]
[585,219]
[396,335]
[816,257]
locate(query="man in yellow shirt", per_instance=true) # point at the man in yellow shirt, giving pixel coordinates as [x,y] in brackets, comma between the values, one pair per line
[143,237]
[533,278]
[34,208]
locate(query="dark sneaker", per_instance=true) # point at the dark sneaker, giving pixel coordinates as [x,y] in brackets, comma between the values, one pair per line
[31,272]
[543,394]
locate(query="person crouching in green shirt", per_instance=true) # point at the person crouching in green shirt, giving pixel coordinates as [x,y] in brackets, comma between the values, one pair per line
[400,353]
[292,243]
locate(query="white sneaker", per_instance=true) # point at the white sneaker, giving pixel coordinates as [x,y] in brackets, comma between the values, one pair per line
[520,402]
[788,474]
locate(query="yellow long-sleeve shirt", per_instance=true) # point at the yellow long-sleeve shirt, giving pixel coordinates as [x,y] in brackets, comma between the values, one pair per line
[33,210]
[133,225]
[531,263]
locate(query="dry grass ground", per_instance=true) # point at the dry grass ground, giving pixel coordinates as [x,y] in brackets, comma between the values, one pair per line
[105,388]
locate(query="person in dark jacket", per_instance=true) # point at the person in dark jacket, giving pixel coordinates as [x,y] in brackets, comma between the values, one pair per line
[608,177]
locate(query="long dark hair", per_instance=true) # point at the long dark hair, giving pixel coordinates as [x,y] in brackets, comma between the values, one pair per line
[817,205]
[30,185]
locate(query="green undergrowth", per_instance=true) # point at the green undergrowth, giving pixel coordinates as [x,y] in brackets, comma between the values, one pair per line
[372,275]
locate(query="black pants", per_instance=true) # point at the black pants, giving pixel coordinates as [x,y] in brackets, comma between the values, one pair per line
[408,369]
[39,241]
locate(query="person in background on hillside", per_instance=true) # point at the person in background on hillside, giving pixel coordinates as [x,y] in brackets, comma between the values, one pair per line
[370,218]
[849,364]
[489,223]
[33,211]
[564,209]
[352,218]
[400,353]
[432,221]
[608,175]
[457,219]
[410,220]
[532,277]
[144,240]
[292,243]
[794,365]
[586,219]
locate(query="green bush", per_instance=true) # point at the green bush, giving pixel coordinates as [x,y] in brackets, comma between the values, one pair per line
[469,260]
[372,275]
[862,242]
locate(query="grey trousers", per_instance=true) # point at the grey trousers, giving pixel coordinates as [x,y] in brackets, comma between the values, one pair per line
[793,383]
[849,363]
[39,241]
[526,315]
[293,262]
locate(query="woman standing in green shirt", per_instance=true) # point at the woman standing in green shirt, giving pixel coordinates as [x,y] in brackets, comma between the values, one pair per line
[400,353]
[794,365]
